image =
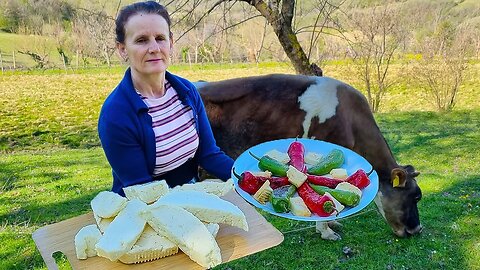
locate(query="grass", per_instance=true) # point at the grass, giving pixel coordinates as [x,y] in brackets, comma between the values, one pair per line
[52,166]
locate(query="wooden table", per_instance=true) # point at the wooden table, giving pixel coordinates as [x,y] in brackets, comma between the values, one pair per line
[234,243]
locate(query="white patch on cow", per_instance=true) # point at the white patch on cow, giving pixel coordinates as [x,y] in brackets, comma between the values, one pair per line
[199,85]
[320,99]
[378,202]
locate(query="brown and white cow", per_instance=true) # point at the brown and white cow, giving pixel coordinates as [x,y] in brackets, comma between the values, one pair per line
[247,111]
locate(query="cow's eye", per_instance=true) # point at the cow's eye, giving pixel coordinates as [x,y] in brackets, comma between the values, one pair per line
[418,198]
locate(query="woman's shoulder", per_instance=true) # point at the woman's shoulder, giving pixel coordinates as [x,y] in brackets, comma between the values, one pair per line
[179,82]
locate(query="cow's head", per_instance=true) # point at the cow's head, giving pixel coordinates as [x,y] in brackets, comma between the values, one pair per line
[397,201]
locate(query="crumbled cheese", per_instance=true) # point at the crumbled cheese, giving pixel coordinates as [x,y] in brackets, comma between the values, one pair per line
[216,188]
[279,156]
[123,232]
[107,204]
[85,241]
[148,192]
[206,207]
[295,176]
[187,231]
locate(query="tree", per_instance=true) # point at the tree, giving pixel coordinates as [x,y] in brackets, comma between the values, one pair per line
[442,63]
[377,34]
[280,15]
[100,30]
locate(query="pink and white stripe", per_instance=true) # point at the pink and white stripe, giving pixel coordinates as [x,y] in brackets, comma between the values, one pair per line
[174,127]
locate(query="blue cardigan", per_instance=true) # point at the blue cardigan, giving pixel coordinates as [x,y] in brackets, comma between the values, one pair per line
[128,140]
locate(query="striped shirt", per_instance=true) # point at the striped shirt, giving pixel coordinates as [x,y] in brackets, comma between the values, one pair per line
[176,137]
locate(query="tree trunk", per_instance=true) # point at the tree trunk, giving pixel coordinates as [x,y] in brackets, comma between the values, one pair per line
[295,52]
[280,16]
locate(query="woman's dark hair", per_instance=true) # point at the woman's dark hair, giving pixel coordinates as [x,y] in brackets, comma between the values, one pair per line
[147,7]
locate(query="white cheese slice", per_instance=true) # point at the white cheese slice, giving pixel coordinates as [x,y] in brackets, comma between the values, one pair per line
[185,230]
[123,232]
[216,188]
[148,192]
[85,241]
[107,204]
[206,207]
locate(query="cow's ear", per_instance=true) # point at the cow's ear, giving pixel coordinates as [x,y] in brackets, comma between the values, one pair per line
[399,177]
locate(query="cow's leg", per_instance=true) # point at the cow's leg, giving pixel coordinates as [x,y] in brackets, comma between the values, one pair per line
[326,232]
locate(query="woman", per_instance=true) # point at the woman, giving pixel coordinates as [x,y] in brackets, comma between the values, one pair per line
[153,125]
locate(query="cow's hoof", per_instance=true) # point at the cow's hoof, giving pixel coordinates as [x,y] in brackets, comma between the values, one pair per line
[333,236]
[335,225]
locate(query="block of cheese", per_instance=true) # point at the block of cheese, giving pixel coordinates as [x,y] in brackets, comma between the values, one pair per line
[206,207]
[148,192]
[266,174]
[150,246]
[295,176]
[339,173]
[312,158]
[298,207]
[102,223]
[85,241]
[187,231]
[123,232]
[349,187]
[107,204]
[278,156]
[338,206]
[217,188]
[264,193]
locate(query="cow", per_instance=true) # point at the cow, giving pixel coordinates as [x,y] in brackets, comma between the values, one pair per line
[247,111]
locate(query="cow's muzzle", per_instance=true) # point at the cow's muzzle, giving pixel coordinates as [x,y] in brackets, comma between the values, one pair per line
[409,232]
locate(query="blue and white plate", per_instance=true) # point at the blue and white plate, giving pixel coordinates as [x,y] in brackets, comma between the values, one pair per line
[353,162]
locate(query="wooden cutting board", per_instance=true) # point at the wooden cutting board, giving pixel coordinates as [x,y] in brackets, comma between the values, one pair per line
[234,243]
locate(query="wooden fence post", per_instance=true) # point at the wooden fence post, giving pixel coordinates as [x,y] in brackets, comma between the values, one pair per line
[13,56]
[1,61]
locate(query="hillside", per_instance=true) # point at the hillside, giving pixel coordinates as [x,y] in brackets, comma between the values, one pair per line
[64,27]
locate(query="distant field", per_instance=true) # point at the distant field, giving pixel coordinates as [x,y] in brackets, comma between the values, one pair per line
[51,166]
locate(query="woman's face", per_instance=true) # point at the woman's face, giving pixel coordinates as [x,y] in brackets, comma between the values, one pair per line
[147,44]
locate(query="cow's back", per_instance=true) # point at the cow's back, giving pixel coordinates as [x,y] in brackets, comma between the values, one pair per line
[248,111]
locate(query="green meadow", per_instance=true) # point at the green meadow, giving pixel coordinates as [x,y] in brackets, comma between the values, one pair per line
[51,166]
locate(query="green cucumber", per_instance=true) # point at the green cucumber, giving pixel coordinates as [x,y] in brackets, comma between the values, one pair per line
[333,160]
